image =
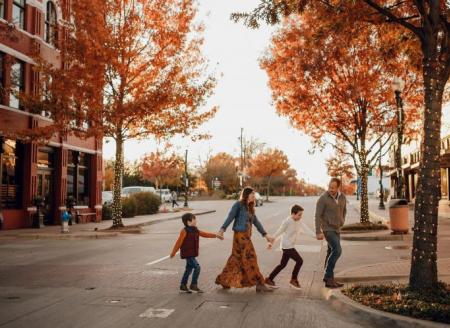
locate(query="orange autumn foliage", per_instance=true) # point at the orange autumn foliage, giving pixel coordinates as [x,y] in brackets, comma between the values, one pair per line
[162,169]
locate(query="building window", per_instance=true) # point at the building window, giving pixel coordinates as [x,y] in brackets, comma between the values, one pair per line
[2,8]
[78,177]
[51,26]
[17,83]
[444,183]
[18,13]
[11,174]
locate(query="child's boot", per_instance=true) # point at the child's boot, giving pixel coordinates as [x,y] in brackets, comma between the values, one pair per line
[184,289]
[195,288]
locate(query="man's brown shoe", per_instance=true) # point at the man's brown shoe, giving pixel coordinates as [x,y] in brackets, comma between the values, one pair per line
[330,283]
[270,283]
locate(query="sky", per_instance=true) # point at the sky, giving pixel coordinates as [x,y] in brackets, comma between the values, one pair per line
[243,97]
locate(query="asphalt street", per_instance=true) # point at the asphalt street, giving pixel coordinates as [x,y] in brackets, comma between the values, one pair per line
[129,281]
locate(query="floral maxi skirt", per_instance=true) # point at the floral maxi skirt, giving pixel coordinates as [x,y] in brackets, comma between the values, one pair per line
[242,268]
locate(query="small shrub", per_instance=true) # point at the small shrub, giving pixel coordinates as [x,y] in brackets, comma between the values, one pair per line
[146,203]
[129,207]
[106,212]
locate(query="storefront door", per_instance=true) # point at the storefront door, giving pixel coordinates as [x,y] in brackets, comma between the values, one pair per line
[45,190]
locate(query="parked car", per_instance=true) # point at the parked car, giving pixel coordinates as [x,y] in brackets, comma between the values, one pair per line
[127,191]
[258,199]
[165,195]
[107,197]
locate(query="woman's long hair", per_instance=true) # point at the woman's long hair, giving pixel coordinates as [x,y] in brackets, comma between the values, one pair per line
[246,192]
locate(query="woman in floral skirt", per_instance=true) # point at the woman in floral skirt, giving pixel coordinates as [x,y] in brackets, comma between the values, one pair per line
[242,268]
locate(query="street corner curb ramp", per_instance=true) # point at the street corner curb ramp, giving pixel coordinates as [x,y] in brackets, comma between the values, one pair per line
[377,318]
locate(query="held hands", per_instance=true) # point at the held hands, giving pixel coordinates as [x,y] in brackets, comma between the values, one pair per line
[220,236]
[319,236]
[269,245]
[269,239]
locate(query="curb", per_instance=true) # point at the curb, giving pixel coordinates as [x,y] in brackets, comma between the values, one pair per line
[167,219]
[347,306]
[100,235]
[406,237]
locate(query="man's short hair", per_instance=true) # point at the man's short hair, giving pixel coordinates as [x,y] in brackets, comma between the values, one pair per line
[338,181]
[296,208]
[188,217]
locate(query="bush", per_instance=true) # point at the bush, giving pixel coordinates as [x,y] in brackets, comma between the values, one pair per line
[146,203]
[106,212]
[129,207]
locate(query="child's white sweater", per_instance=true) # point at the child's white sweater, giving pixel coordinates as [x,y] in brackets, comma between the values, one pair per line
[289,230]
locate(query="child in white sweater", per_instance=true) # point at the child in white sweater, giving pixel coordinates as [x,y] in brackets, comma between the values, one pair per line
[288,232]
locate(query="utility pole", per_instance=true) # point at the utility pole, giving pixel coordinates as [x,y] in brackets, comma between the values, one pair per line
[242,149]
[186,181]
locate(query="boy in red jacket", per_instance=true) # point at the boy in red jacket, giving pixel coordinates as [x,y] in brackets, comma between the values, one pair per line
[188,242]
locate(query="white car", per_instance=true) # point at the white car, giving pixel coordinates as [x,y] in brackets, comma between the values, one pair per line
[165,195]
[258,199]
[127,191]
[107,197]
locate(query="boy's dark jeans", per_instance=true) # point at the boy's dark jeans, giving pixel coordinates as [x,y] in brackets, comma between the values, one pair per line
[334,251]
[290,253]
[191,265]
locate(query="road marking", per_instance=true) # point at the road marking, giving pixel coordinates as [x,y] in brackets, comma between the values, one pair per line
[158,260]
[156,313]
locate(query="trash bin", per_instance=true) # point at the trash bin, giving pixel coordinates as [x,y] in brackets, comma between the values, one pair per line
[399,216]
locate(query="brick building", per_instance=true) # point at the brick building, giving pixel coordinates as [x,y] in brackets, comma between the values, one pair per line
[62,166]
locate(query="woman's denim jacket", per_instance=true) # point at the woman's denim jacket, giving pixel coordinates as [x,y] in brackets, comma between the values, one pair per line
[239,215]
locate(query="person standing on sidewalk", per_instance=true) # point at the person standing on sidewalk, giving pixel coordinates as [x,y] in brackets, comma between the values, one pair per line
[331,210]
[174,198]
[242,268]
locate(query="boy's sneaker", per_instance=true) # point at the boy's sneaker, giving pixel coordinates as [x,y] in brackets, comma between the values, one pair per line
[195,288]
[184,289]
[270,283]
[294,284]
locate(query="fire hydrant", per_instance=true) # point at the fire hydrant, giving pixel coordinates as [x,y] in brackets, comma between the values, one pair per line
[65,221]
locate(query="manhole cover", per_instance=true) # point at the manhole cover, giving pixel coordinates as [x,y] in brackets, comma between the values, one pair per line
[397,247]
[218,305]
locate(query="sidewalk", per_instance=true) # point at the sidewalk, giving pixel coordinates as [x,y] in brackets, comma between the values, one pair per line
[95,230]
[393,266]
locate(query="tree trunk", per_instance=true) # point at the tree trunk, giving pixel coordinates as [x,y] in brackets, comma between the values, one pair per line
[364,200]
[268,189]
[117,188]
[423,273]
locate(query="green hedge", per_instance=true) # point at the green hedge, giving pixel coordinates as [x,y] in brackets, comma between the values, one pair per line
[146,203]
[129,207]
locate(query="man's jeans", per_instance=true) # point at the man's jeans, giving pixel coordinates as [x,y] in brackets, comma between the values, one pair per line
[191,264]
[334,252]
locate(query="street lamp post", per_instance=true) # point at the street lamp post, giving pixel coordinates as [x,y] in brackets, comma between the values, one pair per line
[381,205]
[186,181]
[398,86]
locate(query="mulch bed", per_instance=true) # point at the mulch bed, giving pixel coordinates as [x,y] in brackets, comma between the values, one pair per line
[364,227]
[399,299]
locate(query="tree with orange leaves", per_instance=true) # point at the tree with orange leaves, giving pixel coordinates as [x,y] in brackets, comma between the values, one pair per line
[424,37]
[337,93]
[221,167]
[132,69]
[268,164]
[162,169]
[338,166]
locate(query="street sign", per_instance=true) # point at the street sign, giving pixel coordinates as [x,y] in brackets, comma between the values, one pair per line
[217,184]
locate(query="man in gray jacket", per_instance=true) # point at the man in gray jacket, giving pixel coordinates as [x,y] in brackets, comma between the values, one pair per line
[331,209]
